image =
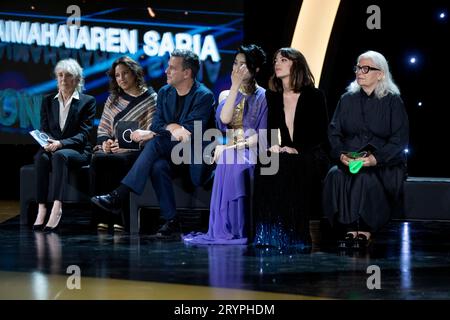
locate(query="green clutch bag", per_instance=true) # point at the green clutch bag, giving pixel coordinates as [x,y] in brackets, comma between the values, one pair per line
[355,165]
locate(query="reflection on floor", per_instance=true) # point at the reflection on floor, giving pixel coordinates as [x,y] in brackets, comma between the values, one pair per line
[8,210]
[41,286]
[413,258]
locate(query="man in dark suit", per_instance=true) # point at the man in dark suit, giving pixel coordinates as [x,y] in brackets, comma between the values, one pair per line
[184,108]
[66,117]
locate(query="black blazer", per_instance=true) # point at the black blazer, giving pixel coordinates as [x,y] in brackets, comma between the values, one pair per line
[198,106]
[78,127]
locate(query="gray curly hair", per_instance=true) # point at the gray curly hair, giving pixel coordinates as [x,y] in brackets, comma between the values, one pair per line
[73,67]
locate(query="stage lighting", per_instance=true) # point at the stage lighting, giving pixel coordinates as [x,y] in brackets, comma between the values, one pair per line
[442,15]
[151,13]
[419,104]
[406,151]
[412,60]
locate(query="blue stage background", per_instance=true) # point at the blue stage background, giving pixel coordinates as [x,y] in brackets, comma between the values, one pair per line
[408,31]
[213,30]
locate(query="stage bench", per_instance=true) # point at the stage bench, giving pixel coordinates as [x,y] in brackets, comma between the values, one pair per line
[186,198]
[77,189]
[427,198]
[424,199]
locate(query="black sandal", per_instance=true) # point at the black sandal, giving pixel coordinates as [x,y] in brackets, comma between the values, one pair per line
[347,242]
[361,241]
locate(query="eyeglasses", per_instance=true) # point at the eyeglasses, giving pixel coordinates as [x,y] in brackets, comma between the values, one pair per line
[364,69]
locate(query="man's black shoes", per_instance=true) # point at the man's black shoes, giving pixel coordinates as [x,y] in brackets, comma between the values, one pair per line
[170,229]
[110,202]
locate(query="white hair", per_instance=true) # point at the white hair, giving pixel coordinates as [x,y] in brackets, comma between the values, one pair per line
[71,66]
[386,84]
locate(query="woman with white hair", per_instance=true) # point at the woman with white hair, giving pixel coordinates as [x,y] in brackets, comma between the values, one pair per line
[368,135]
[66,117]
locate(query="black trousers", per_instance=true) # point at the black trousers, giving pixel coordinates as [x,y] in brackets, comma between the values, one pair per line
[58,163]
[106,171]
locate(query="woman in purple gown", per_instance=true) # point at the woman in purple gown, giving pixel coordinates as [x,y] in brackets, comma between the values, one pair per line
[242,111]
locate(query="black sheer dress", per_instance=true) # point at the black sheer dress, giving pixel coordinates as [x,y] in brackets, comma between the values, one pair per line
[284,203]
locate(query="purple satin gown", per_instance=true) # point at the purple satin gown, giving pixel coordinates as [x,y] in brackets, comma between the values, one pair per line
[234,173]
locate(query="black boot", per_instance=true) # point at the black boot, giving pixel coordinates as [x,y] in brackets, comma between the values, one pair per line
[110,202]
[170,229]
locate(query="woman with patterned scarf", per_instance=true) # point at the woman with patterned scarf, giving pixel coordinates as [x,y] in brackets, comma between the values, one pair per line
[130,102]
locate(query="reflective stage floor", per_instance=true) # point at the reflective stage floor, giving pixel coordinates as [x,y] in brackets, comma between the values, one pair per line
[413,260]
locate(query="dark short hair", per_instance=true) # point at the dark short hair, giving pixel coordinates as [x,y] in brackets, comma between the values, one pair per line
[301,75]
[190,60]
[255,57]
[135,69]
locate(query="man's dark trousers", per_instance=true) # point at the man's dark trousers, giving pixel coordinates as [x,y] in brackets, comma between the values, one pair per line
[155,161]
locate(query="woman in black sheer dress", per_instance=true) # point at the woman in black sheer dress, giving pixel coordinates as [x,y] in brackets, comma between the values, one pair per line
[284,202]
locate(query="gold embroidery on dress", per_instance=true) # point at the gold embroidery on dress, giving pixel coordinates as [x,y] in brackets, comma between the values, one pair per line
[237,122]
